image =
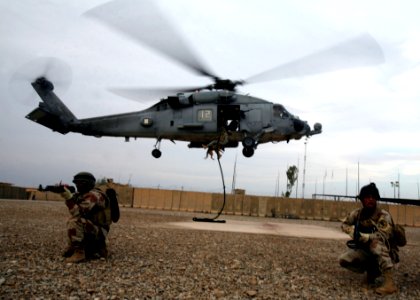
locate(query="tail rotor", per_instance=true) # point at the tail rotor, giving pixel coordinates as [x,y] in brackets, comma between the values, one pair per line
[50,69]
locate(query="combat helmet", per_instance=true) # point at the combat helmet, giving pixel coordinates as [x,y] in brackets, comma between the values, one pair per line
[369,189]
[84,176]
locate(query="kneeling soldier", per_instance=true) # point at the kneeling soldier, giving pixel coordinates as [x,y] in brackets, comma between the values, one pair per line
[373,248]
[89,222]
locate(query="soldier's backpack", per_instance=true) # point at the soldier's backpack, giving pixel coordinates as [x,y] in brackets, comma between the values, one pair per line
[113,203]
[399,235]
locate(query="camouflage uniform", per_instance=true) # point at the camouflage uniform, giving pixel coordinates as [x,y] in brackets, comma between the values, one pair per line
[90,220]
[378,253]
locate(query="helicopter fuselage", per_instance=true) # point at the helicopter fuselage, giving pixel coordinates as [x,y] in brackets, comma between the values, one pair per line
[198,118]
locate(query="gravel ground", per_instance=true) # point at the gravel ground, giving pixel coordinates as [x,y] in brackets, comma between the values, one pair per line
[151,260]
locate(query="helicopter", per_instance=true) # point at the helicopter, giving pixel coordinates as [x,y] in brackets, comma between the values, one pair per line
[215,116]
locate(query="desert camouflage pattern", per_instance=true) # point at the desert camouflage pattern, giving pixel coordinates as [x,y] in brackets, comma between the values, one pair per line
[379,252]
[216,146]
[90,217]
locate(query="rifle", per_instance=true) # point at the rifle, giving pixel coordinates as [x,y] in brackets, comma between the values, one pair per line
[354,243]
[57,188]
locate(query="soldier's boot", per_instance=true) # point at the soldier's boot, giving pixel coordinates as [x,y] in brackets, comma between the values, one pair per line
[371,277]
[77,257]
[68,251]
[103,252]
[370,280]
[388,286]
[372,273]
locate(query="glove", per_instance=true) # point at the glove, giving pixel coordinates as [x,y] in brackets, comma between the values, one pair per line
[67,195]
[350,231]
[364,237]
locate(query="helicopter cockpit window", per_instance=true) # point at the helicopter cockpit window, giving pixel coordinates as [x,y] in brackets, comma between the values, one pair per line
[205,115]
[280,111]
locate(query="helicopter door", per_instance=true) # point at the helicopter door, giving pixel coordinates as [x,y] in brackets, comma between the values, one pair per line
[228,116]
[253,120]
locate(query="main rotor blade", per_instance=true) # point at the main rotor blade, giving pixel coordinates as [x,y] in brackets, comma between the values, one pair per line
[142,21]
[149,94]
[360,51]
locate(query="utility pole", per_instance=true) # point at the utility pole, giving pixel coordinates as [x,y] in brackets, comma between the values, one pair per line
[396,185]
[304,171]
[234,176]
[347,180]
[297,180]
[358,177]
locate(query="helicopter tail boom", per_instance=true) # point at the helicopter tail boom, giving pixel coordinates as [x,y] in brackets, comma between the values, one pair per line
[52,112]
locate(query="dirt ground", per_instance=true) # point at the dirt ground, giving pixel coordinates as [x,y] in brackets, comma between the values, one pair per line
[165,255]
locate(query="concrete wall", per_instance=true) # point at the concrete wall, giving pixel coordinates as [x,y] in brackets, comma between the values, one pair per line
[7,191]
[46,196]
[261,206]
[125,194]
[244,205]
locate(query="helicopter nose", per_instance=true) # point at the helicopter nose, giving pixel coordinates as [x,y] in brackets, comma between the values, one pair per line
[317,129]
[299,125]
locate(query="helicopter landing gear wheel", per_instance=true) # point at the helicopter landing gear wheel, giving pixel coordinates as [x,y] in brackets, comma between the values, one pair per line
[248,151]
[156,153]
[248,142]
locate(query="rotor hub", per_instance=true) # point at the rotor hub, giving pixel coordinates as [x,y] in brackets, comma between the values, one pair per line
[44,83]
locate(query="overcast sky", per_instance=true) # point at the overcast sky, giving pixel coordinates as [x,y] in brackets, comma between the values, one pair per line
[370,115]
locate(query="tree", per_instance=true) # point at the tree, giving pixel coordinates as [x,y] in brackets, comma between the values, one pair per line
[292,175]
[101,181]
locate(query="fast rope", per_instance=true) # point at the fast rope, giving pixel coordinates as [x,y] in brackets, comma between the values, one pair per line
[224,190]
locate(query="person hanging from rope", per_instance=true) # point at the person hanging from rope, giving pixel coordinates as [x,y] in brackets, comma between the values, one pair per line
[217,146]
